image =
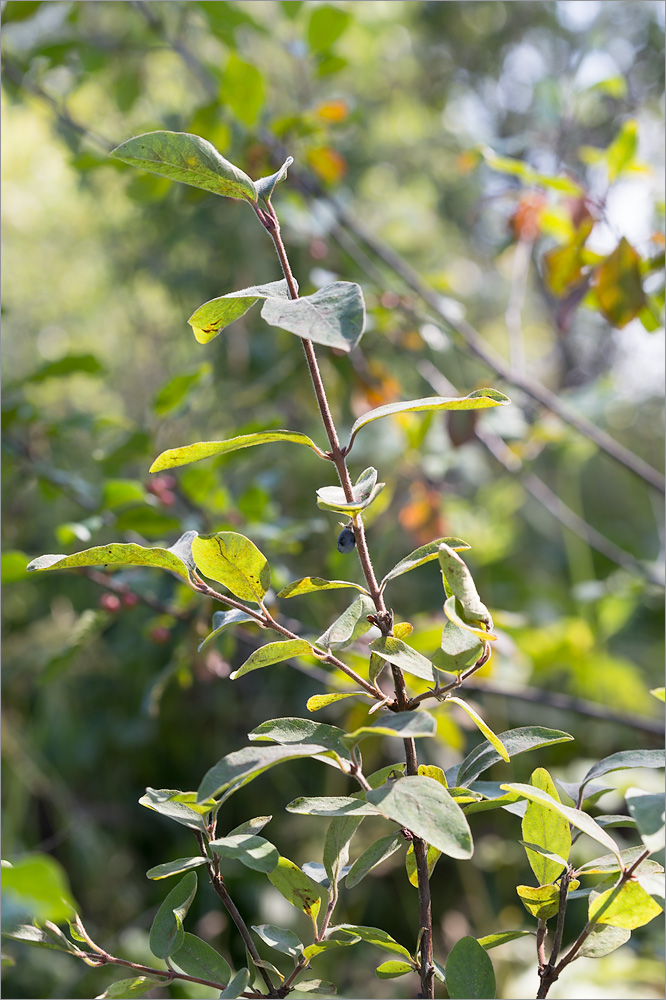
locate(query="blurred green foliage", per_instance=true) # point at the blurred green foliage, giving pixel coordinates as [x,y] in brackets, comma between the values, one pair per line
[404,113]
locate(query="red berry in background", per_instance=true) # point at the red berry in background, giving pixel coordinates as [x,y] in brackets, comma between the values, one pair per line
[160,635]
[109,602]
[166,498]
[161,484]
[130,600]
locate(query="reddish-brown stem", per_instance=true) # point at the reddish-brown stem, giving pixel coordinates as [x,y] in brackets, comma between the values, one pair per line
[168,975]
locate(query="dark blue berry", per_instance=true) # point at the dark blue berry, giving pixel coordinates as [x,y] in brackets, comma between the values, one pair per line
[346,540]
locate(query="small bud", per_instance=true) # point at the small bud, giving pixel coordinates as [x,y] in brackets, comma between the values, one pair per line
[346,540]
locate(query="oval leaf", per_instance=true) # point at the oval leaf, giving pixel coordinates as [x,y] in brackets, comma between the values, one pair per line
[318,701]
[399,653]
[373,856]
[236,986]
[393,969]
[629,908]
[166,933]
[351,625]
[197,958]
[215,315]
[241,766]
[296,887]
[469,972]
[479,399]
[292,730]
[548,830]
[160,801]
[207,449]
[425,553]
[313,584]
[125,989]
[252,851]
[334,315]
[459,649]
[332,805]
[648,811]
[426,808]
[364,491]
[175,867]
[272,652]
[187,158]
[603,940]
[515,741]
[453,610]
[459,582]
[624,759]
[280,938]
[576,817]
[176,559]
[406,725]
[234,561]
[376,936]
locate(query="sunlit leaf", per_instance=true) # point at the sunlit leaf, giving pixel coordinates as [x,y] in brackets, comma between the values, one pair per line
[280,938]
[187,158]
[351,625]
[234,561]
[479,399]
[166,933]
[648,811]
[175,867]
[542,902]
[272,652]
[426,808]
[376,936]
[318,701]
[399,653]
[365,491]
[501,937]
[603,940]
[485,729]
[252,851]
[240,766]
[296,887]
[197,958]
[125,989]
[406,725]
[618,285]
[313,584]
[393,969]
[624,759]
[515,741]
[221,621]
[629,908]
[530,176]
[217,314]
[546,829]
[176,559]
[266,185]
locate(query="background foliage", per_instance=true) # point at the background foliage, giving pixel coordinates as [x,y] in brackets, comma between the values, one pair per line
[392,111]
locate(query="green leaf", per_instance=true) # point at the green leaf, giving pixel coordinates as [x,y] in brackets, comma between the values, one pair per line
[373,856]
[266,185]
[658,693]
[629,908]
[459,649]
[515,741]
[70,364]
[609,863]
[453,610]
[332,805]
[618,285]
[624,759]
[622,150]
[36,886]
[336,845]
[176,390]
[313,584]
[280,938]
[318,987]
[292,730]
[159,800]
[546,829]
[469,972]
[254,852]
[325,26]
[542,902]
[493,797]
[318,701]
[207,449]
[648,811]
[222,620]
[187,158]
[425,553]
[432,857]
[197,958]
[236,986]
[250,826]
[603,940]
[234,561]
[175,867]
[501,937]
[576,817]
[244,765]
[529,175]
[37,936]
[351,625]
[119,492]
[243,89]
[458,581]
[544,854]
[406,725]
[399,653]
[166,933]
[319,947]
[612,820]
[365,491]
[272,652]
[296,887]
[393,969]
[427,809]
[217,314]
[14,565]
[376,936]
[333,316]
[124,989]
[494,740]
[479,399]
[176,559]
